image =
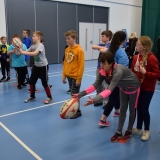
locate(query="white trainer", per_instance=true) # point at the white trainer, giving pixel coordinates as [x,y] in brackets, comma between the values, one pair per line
[145,135]
[137,131]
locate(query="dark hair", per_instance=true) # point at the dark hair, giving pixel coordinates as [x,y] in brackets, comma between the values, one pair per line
[117,39]
[107,33]
[27,31]
[16,36]
[3,37]
[108,56]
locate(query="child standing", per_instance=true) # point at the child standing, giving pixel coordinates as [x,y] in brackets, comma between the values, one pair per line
[5,64]
[19,63]
[106,38]
[73,67]
[129,84]
[145,66]
[40,67]
[27,42]
[120,57]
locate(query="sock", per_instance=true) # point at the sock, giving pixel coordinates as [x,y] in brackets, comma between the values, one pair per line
[48,92]
[32,90]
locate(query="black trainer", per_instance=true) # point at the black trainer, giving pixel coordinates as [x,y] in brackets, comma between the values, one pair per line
[30,99]
[8,79]
[24,85]
[19,87]
[69,91]
[3,78]
[78,114]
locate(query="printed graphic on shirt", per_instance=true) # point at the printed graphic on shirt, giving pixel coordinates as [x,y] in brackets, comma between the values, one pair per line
[4,49]
[36,58]
[69,57]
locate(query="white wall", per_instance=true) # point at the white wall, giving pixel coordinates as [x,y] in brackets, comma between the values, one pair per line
[2,19]
[123,14]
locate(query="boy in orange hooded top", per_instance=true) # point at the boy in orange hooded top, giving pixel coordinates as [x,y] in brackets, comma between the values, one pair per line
[73,64]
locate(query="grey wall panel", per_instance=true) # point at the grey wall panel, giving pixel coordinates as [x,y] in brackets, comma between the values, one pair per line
[101,15]
[46,22]
[66,21]
[20,15]
[85,13]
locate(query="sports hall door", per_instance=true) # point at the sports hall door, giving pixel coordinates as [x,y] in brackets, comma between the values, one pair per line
[89,34]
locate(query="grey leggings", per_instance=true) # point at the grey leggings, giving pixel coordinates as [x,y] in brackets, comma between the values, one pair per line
[124,100]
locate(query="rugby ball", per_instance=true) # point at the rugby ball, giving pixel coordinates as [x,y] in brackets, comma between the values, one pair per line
[69,108]
[16,42]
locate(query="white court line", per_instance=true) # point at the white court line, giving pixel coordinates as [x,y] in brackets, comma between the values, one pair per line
[48,76]
[13,113]
[89,75]
[61,71]
[20,142]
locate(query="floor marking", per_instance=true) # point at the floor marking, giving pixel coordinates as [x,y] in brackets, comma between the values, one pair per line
[20,142]
[89,75]
[13,113]
[61,71]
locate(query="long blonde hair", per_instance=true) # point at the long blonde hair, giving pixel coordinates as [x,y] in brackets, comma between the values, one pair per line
[133,35]
[147,43]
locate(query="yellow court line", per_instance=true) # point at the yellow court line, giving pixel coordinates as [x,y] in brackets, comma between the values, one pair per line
[20,142]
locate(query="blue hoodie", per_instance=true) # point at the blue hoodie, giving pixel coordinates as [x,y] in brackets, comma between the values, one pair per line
[27,42]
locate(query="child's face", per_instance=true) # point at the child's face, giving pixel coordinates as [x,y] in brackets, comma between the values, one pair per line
[139,46]
[24,34]
[105,66]
[70,41]
[4,40]
[105,39]
[35,38]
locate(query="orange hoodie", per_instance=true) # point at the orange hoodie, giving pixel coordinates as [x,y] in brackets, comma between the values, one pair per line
[74,63]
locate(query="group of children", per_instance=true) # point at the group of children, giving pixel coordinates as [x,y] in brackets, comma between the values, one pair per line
[114,79]
[136,85]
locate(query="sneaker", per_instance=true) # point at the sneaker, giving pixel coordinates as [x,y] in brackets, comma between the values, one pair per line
[19,87]
[98,104]
[24,85]
[116,114]
[145,135]
[48,100]
[3,78]
[50,86]
[69,91]
[127,136]
[30,99]
[116,137]
[137,131]
[8,79]
[29,91]
[78,114]
[103,124]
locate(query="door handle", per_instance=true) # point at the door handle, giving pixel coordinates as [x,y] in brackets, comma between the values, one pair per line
[99,35]
[86,38]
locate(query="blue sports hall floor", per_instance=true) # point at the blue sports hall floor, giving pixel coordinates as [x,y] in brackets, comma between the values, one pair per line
[30,131]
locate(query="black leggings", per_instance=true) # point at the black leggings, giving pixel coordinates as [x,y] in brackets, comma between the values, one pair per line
[21,73]
[143,115]
[41,73]
[114,101]
[5,67]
